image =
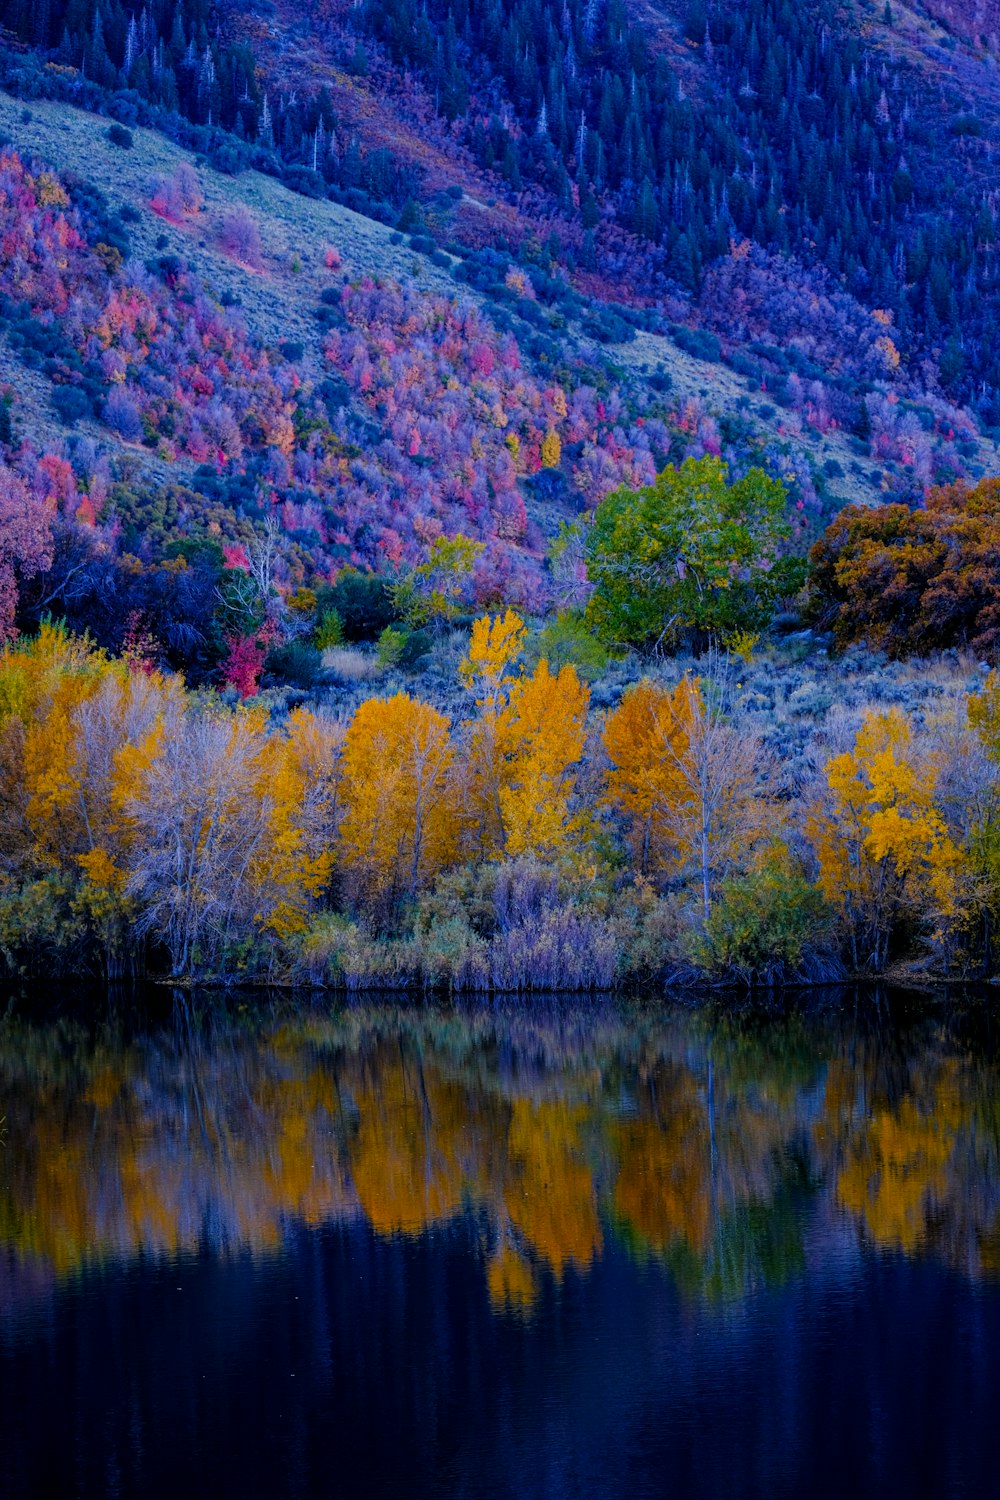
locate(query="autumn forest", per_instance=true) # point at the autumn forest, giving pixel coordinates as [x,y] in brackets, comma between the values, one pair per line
[510,507]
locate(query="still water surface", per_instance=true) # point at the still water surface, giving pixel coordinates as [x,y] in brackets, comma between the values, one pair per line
[543,1250]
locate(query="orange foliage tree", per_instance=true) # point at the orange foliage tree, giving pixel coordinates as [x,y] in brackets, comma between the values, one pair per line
[689,786]
[910,581]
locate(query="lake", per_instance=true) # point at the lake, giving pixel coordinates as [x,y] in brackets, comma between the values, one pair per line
[539,1250]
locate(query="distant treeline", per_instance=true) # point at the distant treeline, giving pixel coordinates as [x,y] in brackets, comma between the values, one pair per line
[799,135]
[171,66]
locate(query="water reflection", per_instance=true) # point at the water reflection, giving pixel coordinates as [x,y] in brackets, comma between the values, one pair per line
[734,1151]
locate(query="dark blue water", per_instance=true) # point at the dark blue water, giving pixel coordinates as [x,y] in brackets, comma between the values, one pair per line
[562,1253]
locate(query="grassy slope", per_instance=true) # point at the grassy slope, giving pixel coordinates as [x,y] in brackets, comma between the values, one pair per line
[278,302]
[723,389]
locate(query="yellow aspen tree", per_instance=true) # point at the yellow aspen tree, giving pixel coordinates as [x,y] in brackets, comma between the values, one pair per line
[551,449]
[86,709]
[292,867]
[316,747]
[488,672]
[399,826]
[542,735]
[43,685]
[68,713]
[883,849]
[494,646]
[524,743]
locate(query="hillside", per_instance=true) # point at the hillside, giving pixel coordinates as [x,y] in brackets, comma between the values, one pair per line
[493,355]
[468,450]
[829,294]
[279,303]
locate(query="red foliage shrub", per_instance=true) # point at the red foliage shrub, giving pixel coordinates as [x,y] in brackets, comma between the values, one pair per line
[25,542]
[174,360]
[244,662]
[178,196]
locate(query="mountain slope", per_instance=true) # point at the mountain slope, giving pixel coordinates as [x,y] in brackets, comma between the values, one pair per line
[395,297]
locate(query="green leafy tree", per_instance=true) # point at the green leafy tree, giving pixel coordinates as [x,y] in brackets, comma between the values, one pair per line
[434,592]
[690,555]
[329,630]
[362,601]
[566,641]
[391,645]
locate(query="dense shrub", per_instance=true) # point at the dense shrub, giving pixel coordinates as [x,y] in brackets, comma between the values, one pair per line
[699,343]
[362,602]
[767,926]
[122,416]
[296,663]
[566,641]
[912,581]
[69,403]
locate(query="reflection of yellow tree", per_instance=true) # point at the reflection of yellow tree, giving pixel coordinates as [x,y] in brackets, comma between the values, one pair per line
[58,1214]
[301,1170]
[510,1279]
[406,1154]
[897,1166]
[663,1188]
[109,1171]
[549,1194]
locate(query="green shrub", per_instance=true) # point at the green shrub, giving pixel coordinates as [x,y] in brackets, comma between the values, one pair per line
[329,631]
[38,929]
[566,641]
[765,924]
[296,663]
[417,645]
[391,645]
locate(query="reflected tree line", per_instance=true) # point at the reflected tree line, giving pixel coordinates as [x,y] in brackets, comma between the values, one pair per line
[733,1151]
